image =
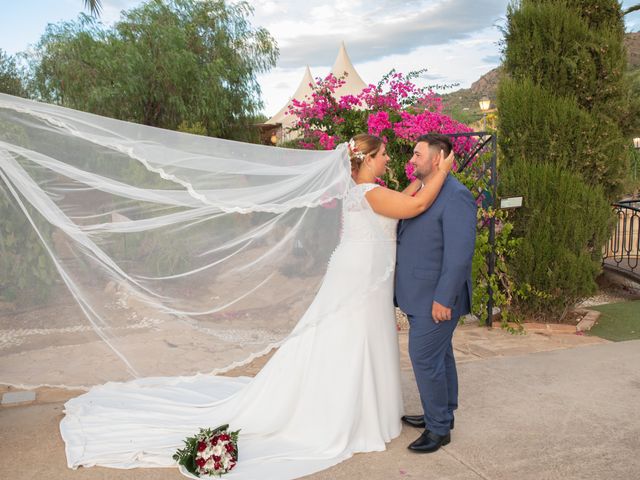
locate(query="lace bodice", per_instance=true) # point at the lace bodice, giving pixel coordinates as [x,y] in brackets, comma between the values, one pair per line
[360,222]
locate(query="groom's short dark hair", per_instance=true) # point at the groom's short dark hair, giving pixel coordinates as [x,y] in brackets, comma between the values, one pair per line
[437,140]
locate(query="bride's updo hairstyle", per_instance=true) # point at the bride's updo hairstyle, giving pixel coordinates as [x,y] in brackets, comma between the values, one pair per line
[360,146]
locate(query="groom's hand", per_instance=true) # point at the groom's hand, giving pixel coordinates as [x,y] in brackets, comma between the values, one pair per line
[440,313]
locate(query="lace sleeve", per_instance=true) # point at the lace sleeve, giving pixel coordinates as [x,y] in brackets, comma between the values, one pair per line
[355,200]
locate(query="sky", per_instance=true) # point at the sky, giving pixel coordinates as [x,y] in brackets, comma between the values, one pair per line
[457,41]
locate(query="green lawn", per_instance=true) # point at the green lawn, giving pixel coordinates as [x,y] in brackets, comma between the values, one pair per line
[618,322]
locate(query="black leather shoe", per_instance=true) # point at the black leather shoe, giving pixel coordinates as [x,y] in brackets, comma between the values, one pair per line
[417,421]
[429,442]
[414,420]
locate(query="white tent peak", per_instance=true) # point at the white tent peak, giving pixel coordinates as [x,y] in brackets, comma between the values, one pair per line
[354,83]
[307,79]
[353,86]
[305,88]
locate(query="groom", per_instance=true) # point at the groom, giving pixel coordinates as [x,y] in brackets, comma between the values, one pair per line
[433,287]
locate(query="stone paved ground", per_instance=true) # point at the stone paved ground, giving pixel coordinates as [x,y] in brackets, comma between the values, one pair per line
[29,432]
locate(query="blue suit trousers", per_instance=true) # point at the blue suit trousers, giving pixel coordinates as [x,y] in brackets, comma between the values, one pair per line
[434,366]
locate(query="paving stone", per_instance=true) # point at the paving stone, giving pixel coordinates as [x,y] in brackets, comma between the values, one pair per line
[13,398]
[588,321]
[463,357]
[481,351]
[550,328]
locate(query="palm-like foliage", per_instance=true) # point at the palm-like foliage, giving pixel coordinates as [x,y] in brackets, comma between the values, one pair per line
[631,9]
[94,6]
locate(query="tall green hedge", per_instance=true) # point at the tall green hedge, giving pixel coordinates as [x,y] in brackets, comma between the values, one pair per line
[564,223]
[541,127]
[563,122]
[574,49]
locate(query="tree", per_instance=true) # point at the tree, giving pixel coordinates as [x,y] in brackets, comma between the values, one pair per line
[94,7]
[165,64]
[10,76]
[564,120]
[631,9]
[573,51]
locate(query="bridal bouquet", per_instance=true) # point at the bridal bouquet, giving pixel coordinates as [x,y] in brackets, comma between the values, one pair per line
[210,452]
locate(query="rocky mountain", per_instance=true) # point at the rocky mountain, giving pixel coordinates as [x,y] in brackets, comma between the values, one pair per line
[632,42]
[463,104]
[487,84]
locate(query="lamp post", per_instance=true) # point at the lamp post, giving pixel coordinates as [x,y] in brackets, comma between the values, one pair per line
[484,103]
[636,144]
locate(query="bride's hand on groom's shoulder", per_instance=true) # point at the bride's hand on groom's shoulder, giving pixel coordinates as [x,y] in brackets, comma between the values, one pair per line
[446,164]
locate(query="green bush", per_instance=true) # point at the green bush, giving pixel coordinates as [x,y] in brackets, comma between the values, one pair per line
[564,109]
[563,224]
[27,273]
[11,78]
[574,49]
[540,127]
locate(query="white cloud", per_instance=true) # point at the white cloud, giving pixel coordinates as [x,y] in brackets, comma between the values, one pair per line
[271,8]
[111,9]
[416,35]
[455,39]
[375,29]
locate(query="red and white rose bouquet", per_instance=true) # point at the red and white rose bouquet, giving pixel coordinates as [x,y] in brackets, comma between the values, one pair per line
[210,452]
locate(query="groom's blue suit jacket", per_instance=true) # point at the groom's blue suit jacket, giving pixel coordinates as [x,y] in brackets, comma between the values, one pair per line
[435,253]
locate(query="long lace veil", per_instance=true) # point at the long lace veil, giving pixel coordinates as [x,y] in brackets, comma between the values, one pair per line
[131,251]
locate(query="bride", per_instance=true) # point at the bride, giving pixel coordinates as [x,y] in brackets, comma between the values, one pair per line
[332,389]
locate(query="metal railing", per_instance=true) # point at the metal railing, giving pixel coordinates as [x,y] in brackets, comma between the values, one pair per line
[622,251]
[487,142]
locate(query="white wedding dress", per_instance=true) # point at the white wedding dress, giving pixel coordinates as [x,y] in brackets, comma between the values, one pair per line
[331,390]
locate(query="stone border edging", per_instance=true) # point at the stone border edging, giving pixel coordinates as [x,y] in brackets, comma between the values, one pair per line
[588,320]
